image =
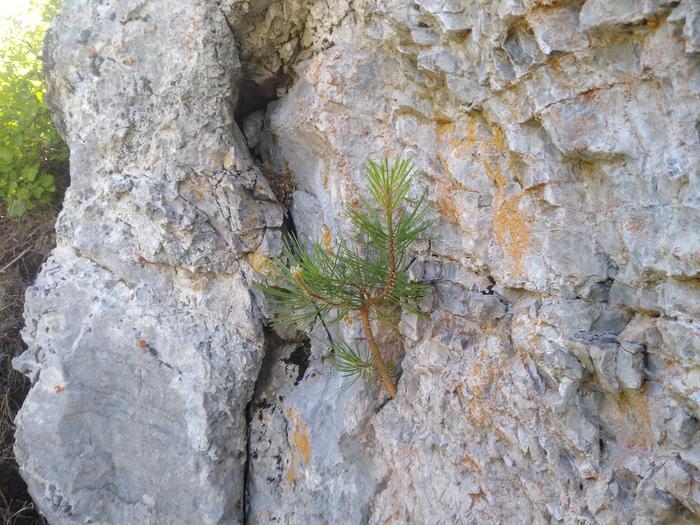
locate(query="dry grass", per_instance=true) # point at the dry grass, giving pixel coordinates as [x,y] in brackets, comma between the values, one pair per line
[24,245]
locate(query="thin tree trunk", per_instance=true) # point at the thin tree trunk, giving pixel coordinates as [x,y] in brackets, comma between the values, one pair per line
[383,372]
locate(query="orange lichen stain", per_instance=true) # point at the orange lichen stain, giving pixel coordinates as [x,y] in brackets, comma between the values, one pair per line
[588,168]
[299,439]
[445,130]
[472,128]
[494,152]
[498,139]
[444,165]
[471,463]
[531,329]
[448,209]
[483,377]
[504,167]
[636,228]
[513,230]
[479,496]
[635,404]
[261,263]
[457,391]
[630,413]
[493,171]
[291,474]
[143,346]
[326,238]
[479,416]
[555,64]
[58,389]
[447,134]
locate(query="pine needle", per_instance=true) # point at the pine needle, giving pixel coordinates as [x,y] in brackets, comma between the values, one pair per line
[313,282]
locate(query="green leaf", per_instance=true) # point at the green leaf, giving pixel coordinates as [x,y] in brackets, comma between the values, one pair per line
[16,208]
[29,142]
[17,139]
[29,172]
[6,155]
[46,180]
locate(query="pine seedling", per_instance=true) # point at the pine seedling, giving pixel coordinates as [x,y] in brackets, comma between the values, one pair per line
[366,275]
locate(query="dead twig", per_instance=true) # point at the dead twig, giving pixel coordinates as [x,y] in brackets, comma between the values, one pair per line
[13,261]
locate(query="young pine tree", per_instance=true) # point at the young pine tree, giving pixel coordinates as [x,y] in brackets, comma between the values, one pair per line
[366,276]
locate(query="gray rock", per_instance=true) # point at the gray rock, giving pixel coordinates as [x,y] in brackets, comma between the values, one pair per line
[598,15]
[682,428]
[537,186]
[144,342]
[630,365]
[553,377]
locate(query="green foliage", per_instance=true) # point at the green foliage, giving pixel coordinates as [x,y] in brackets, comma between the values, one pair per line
[30,146]
[367,275]
[352,363]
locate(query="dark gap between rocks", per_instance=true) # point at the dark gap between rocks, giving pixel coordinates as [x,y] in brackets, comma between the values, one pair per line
[274,350]
[300,358]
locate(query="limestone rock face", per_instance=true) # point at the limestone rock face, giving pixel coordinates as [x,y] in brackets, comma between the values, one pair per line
[555,375]
[559,146]
[144,340]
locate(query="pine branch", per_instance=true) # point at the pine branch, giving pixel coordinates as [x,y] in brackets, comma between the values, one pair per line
[376,354]
[350,362]
[317,283]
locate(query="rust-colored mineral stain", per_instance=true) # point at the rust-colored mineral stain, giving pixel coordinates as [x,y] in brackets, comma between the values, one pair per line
[478,415]
[326,237]
[291,474]
[300,438]
[492,153]
[496,159]
[448,209]
[448,135]
[261,263]
[513,230]
[471,463]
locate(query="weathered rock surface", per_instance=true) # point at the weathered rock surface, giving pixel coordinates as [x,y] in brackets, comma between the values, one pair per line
[144,341]
[559,144]
[556,376]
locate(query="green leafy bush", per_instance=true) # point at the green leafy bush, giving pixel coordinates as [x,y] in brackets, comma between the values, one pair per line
[30,146]
[367,278]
